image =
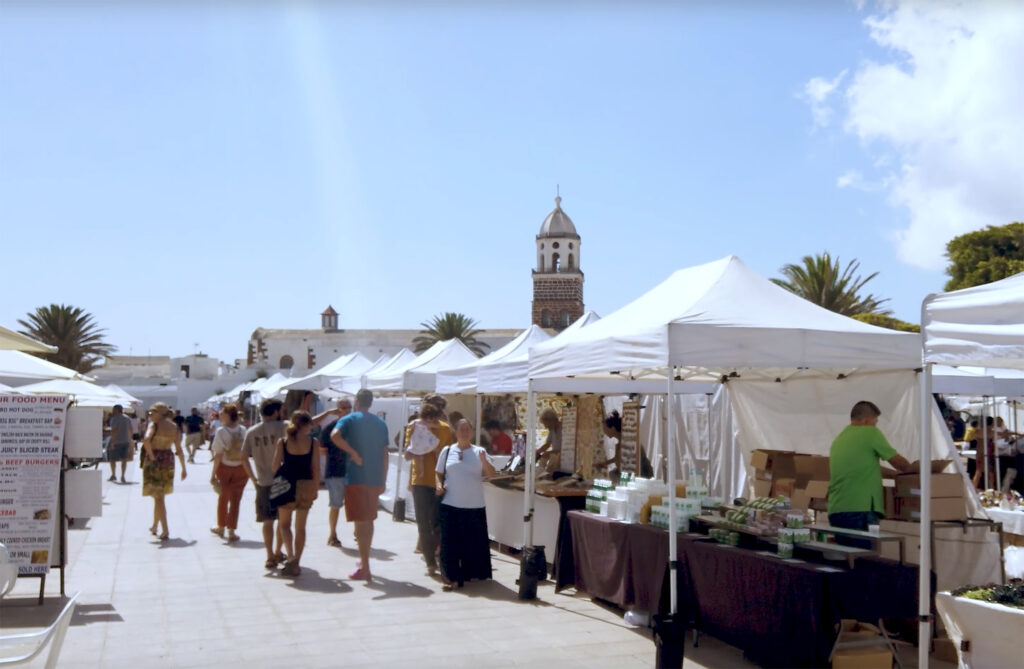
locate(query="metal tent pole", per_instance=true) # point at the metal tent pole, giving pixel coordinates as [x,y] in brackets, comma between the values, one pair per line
[924,584]
[673,548]
[984,438]
[530,455]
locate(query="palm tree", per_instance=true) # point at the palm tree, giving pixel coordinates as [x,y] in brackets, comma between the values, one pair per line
[79,341]
[449,325]
[824,282]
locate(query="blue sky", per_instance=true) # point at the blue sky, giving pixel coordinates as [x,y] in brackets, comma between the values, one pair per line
[189,173]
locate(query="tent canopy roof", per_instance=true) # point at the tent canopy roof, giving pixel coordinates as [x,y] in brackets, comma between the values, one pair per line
[420,373]
[18,365]
[15,341]
[981,326]
[351,364]
[717,318]
[465,379]
[84,393]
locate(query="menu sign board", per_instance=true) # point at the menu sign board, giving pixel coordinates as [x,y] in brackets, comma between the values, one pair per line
[568,463]
[630,438]
[31,440]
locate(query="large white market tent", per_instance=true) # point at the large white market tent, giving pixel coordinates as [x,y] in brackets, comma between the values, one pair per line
[722,320]
[84,394]
[350,385]
[350,364]
[981,326]
[15,341]
[420,374]
[400,360]
[126,397]
[18,366]
[465,379]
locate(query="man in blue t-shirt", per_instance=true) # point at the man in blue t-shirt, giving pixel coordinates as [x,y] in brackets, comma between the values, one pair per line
[364,437]
[334,472]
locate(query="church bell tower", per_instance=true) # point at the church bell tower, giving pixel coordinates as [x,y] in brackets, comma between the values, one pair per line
[557,279]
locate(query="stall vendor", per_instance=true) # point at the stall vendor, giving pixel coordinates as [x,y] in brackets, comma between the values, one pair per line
[552,446]
[613,429]
[855,488]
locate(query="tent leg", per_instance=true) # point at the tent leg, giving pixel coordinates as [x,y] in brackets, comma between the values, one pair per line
[479,417]
[924,584]
[673,548]
[533,564]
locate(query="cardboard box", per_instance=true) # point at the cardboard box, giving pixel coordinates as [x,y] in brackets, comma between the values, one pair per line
[783,487]
[889,499]
[943,485]
[862,658]
[762,488]
[945,650]
[942,508]
[800,500]
[817,489]
[811,467]
[779,463]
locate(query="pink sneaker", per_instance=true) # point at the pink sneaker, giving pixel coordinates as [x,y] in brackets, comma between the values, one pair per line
[360,575]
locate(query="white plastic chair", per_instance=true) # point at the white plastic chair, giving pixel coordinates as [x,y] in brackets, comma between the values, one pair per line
[35,642]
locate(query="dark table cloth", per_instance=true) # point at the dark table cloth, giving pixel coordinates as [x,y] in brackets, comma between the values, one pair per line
[780,613]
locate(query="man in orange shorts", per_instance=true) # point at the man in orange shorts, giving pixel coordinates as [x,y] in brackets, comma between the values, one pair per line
[364,437]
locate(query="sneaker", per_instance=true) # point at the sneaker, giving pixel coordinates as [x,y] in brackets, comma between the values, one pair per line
[360,575]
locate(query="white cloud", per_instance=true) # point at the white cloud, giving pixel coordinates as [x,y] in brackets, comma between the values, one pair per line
[816,93]
[948,107]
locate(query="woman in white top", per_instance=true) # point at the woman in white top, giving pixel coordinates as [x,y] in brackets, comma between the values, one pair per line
[465,546]
[228,470]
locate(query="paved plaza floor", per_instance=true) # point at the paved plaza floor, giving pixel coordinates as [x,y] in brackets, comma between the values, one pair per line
[196,601]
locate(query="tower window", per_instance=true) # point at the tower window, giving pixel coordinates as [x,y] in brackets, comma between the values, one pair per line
[564,318]
[545,318]
[571,262]
[540,262]
[570,246]
[555,245]
[556,264]
[287,362]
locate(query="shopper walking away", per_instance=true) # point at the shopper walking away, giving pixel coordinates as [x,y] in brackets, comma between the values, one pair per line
[364,437]
[228,471]
[161,437]
[465,546]
[336,464]
[193,433]
[424,439]
[121,447]
[296,460]
[258,451]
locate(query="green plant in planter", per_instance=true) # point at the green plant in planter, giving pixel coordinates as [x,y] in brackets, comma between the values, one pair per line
[1011,594]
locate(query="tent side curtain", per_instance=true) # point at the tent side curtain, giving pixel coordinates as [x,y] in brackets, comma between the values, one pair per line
[981,326]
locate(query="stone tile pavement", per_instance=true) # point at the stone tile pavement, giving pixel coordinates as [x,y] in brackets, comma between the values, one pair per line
[196,601]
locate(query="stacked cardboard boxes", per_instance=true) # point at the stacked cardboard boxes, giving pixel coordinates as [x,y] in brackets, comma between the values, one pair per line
[801,478]
[947,495]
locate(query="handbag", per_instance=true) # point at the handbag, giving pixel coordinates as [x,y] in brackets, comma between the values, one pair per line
[444,469]
[281,490]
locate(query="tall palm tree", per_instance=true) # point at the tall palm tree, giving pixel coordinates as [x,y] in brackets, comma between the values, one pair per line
[79,341]
[824,282]
[450,325]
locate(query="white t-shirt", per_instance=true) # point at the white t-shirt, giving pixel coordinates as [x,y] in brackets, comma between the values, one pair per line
[463,477]
[222,444]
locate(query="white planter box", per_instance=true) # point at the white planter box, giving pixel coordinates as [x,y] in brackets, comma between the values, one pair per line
[994,631]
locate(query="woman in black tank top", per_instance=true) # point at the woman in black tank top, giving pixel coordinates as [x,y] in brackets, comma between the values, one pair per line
[296,460]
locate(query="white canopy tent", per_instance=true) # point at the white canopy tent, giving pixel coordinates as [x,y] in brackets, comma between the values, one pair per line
[981,326]
[127,398]
[16,366]
[420,374]
[351,364]
[465,379]
[721,320]
[83,393]
[15,341]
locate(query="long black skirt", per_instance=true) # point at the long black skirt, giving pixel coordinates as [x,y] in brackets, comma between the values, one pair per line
[465,546]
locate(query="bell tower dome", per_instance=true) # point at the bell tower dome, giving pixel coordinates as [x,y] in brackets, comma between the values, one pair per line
[557,279]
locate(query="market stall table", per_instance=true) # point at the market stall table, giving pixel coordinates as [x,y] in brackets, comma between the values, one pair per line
[779,612]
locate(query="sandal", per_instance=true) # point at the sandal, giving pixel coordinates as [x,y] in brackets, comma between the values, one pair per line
[219,531]
[232,538]
[334,541]
[271,563]
[165,536]
[291,568]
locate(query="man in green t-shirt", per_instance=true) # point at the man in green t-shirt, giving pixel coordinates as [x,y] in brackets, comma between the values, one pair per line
[855,488]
